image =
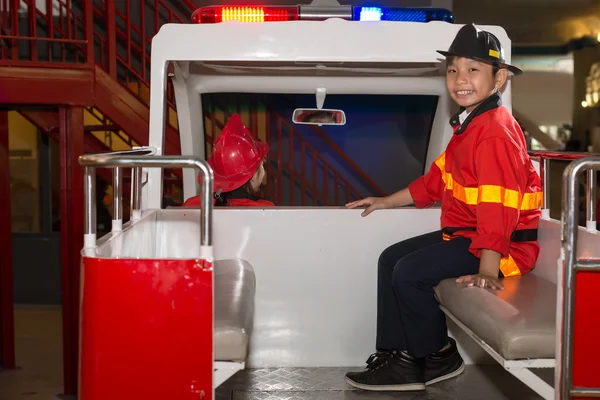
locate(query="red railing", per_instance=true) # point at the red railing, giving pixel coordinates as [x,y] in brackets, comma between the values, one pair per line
[58,35]
[135,37]
[117,37]
[107,35]
[590,184]
[319,182]
[332,186]
[560,155]
[375,189]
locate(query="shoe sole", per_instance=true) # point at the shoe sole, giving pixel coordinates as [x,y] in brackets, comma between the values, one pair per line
[451,375]
[413,387]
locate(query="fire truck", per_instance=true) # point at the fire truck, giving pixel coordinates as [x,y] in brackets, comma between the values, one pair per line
[178,300]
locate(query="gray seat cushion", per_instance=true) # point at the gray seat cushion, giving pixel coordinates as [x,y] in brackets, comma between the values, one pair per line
[517,322]
[234,287]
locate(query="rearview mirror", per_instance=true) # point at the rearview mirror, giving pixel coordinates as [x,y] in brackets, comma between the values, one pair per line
[316,116]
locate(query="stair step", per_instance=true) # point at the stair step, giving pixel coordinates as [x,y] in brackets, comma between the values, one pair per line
[98,128]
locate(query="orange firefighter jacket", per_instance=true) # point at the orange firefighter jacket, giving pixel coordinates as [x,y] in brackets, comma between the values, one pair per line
[488,187]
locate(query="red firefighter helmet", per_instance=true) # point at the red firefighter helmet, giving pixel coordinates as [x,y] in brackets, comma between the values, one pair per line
[236,156]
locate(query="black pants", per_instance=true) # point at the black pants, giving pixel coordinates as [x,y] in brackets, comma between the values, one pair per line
[408,315]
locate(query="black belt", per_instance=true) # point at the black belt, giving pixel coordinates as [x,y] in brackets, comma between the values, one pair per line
[521,235]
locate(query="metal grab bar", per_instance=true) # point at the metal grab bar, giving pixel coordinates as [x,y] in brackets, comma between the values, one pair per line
[566,291]
[136,183]
[545,175]
[93,161]
[590,201]
[544,158]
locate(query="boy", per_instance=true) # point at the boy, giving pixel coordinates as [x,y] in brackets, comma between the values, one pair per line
[490,194]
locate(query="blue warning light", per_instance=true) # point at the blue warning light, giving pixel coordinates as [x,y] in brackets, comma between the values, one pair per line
[370,14]
[402,14]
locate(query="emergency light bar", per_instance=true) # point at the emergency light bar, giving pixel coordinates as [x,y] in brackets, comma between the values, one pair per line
[216,14]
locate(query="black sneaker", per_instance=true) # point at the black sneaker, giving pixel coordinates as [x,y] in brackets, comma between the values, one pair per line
[389,371]
[443,365]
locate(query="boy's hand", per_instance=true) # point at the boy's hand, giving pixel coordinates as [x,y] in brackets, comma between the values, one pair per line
[372,204]
[399,199]
[489,266]
[481,281]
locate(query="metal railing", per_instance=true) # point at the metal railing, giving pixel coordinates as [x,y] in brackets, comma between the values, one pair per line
[591,201]
[118,161]
[566,291]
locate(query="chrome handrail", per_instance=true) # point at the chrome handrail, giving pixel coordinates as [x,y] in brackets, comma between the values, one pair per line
[93,161]
[590,200]
[566,290]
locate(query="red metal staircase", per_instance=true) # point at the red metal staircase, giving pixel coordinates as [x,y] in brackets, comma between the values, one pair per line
[95,55]
[103,62]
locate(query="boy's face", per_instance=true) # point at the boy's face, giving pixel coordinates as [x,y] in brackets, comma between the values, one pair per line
[470,82]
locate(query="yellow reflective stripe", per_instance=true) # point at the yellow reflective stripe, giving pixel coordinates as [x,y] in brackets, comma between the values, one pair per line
[441,164]
[498,194]
[509,267]
[488,193]
[493,194]
[532,201]
[466,195]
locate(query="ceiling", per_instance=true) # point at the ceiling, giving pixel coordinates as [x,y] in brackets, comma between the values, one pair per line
[534,22]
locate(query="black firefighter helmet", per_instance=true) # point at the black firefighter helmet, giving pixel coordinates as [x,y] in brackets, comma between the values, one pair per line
[472,42]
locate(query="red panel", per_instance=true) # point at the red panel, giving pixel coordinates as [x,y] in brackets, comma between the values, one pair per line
[7,328]
[71,235]
[586,352]
[146,329]
[47,121]
[111,38]
[127,111]
[46,86]
[94,145]
[45,64]
[88,12]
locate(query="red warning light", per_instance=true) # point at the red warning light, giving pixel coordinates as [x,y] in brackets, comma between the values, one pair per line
[211,15]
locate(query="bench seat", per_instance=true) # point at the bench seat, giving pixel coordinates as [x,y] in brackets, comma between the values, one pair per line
[234,288]
[517,322]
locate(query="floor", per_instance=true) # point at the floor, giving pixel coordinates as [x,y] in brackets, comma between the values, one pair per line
[39,374]
[38,332]
[477,383]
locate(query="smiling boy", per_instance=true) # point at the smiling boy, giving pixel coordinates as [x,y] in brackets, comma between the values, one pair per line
[490,194]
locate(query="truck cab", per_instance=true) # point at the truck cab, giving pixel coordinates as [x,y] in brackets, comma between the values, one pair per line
[293,287]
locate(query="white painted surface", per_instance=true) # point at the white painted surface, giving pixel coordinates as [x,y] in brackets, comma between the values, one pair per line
[273,44]
[224,371]
[117,225]
[316,271]
[548,265]
[191,126]
[89,244]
